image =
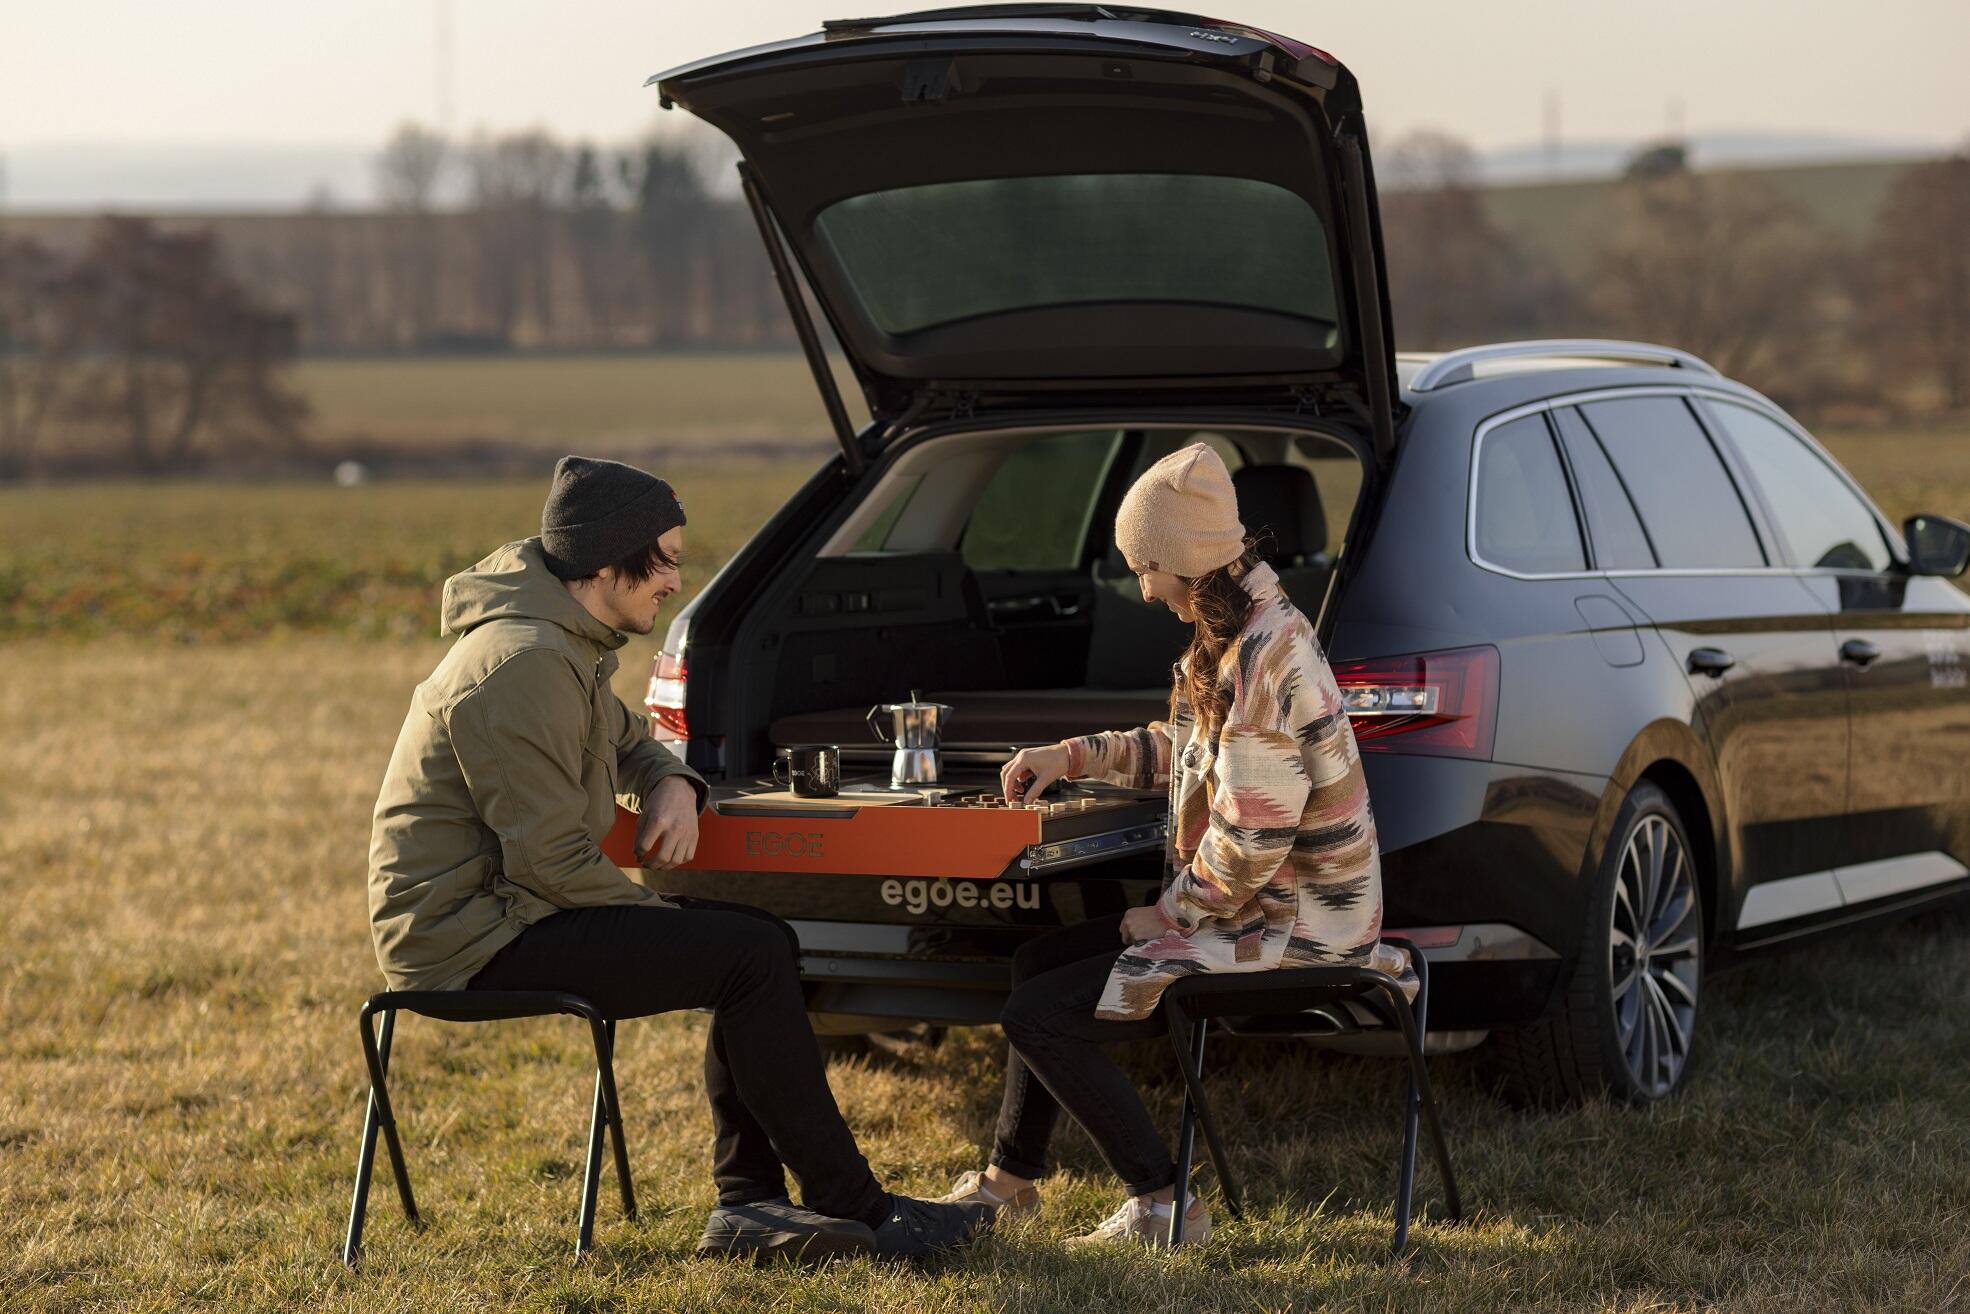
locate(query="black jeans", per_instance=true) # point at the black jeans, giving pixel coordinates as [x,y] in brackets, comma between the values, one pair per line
[764,1078]
[1054,1035]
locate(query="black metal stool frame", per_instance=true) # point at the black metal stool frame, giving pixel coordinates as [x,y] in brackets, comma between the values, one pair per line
[1190,1003]
[483,1006]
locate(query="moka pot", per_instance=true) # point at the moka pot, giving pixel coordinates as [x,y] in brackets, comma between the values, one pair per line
[914,731]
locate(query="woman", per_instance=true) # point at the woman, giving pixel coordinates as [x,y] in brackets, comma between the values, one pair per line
[1272,860]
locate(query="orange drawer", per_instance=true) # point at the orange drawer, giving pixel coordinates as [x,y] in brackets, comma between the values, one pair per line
[973,843]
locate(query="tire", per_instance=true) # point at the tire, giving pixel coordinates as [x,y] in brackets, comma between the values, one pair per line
[1626,1025]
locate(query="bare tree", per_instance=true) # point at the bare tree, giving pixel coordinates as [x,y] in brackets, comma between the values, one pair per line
[183,354]
[410,168]
[1917,292]
[1718,264]
[408,173]
[41,338]
[594,231]
[517,183]
[672,216]
[1454,276]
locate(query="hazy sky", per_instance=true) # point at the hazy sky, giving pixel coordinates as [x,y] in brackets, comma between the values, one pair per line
[347,71]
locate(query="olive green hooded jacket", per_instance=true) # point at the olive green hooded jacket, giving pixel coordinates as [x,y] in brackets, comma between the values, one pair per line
[505,778]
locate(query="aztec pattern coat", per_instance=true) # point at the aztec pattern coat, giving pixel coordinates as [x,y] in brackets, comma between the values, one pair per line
[1272,858]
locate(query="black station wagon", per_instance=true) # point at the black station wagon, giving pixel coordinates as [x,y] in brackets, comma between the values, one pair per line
[1642,680]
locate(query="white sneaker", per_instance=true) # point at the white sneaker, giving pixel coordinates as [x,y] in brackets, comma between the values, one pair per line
[971,1189]
[1147,1222]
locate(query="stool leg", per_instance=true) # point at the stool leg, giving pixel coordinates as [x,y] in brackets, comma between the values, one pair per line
[1419,1077]
[1206,1115]
[1187,1131]
[592,1174]
[1405,1180]
[376,1115]
[1190,1058]
[605,1119]
[613,1106]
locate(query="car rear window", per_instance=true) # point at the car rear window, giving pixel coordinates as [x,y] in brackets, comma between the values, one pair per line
[1695,516]
[1620,542]
[1525,517]
[1035,511]
[1825,523]
[928,255]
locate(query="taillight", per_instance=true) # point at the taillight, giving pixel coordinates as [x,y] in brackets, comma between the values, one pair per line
[1425,702]
[666,698]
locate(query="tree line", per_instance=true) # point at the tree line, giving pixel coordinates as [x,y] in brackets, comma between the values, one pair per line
[172,333]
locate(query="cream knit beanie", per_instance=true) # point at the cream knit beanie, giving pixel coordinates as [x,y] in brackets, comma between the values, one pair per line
[1182,515]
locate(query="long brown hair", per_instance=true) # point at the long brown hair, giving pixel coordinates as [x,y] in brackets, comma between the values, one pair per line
[1222,606]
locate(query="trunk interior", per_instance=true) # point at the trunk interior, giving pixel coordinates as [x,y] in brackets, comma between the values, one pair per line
[977,568]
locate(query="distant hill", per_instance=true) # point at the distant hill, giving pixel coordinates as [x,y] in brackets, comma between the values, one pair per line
[234,177]
[1577,161]
[1560,218]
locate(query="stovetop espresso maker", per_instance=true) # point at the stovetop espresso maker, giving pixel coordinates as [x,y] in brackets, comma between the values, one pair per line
[914,731]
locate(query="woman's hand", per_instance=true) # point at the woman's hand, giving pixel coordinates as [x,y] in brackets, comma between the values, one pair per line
[1032,770]
[1139,924]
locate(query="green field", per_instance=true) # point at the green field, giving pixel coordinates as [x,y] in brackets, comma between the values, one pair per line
[201,561]
[606,405]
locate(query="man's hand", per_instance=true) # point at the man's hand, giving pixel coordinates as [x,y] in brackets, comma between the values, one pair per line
[1139,924]
[667,832]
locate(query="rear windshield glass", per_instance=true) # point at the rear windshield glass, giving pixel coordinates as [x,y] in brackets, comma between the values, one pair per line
[922,256]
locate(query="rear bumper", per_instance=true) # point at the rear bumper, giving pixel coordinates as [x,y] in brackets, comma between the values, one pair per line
[1486,975]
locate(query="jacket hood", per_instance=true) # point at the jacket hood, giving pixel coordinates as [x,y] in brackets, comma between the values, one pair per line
[514,583]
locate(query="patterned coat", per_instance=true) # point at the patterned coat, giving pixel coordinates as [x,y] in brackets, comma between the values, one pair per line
[1272,859]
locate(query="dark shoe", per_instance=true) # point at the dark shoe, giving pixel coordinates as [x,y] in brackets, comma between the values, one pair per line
[780,1229]
[918,1228]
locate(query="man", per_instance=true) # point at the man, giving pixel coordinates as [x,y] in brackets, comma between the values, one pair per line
[486,871]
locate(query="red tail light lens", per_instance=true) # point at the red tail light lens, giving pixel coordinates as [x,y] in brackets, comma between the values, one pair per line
[666,698]
[1426,702]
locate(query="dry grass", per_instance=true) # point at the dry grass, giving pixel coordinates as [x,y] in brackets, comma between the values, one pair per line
[184,947]
[180,1084]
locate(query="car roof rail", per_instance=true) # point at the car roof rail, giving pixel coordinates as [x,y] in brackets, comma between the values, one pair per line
[1461,366]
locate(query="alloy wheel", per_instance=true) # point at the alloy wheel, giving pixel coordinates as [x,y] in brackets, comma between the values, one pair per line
[1655,959]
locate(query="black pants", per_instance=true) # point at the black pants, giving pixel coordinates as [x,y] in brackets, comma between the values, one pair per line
[1055,1037]
[768,1088]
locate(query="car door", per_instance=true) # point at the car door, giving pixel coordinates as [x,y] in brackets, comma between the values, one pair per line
[1755,645]
[1904,642]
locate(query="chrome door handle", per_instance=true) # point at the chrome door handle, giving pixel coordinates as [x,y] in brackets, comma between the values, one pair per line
[1860,652]
[1710,661]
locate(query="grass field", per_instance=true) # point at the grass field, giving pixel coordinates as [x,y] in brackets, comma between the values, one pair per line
[181,843]
[607,405]
[202,561]
[182,829]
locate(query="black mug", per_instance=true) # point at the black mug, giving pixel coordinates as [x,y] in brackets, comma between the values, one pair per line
[810,770]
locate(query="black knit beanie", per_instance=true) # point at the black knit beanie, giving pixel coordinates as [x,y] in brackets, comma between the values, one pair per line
[598,512]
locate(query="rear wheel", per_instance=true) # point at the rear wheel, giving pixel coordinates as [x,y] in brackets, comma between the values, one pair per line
[1627,1025]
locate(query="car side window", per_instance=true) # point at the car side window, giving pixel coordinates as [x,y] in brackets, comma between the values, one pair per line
[1620,542]
[1525,516]
[1034,512]
[1824,523]
[1695,516]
